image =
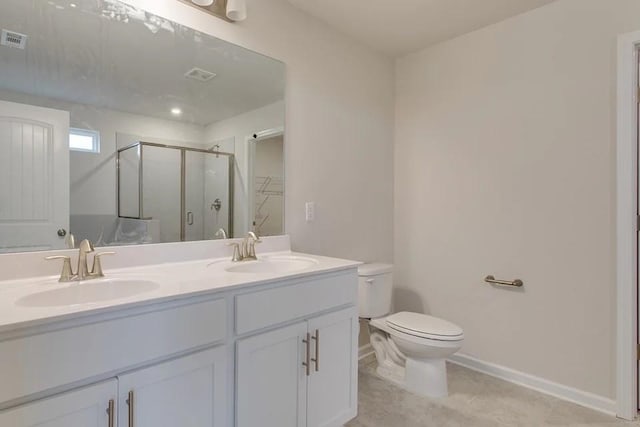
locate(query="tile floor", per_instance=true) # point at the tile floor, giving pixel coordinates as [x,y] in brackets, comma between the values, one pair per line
[474,400]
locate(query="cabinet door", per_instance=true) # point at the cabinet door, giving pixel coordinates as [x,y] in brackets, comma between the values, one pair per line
[271,385]
[186,392]
[85,407]
[333,384]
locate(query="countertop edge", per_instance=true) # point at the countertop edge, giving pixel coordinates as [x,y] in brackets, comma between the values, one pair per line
[29,327]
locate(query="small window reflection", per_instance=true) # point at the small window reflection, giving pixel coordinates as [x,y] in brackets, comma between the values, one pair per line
[84,140]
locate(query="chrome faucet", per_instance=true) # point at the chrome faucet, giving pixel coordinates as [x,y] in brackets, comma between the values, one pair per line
[249,246]
[221,233]
[237,253]
[245,251]
[82,272]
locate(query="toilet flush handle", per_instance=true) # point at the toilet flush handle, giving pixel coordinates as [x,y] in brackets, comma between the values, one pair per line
[370,281]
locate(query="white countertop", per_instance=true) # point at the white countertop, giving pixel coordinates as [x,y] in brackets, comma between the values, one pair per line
[176,280]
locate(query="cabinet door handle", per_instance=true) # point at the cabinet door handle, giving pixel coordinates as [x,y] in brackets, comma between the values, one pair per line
[111,412]
[317,358]
[130,402]
[307,362]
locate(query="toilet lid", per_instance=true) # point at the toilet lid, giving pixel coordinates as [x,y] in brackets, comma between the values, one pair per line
[424,326]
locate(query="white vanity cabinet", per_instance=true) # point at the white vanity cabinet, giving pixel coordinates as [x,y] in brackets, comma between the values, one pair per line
[186,392]
[332,392]
[278,353]
[303,374]
[92,406]
[271,384]
[170,356]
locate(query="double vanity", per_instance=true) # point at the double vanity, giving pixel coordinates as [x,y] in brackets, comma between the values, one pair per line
[180,335]
[171,329]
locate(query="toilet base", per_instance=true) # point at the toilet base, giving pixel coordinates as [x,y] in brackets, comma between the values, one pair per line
[415,364]
[423,377]
[427,377]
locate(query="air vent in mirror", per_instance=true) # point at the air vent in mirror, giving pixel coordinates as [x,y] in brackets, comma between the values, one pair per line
[13,39]
[199,74]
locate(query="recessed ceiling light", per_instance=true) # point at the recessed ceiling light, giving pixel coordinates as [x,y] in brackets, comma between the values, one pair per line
[73,5]
[176,111]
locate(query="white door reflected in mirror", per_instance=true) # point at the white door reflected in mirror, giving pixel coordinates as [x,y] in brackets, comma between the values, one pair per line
[34,177]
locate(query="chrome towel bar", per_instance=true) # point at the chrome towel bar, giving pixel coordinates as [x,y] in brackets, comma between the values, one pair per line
[517,283]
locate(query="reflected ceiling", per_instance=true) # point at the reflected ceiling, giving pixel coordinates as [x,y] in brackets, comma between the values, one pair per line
[106,54]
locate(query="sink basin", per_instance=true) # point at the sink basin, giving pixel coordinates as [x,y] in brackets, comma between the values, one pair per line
[273,265]
[98,290]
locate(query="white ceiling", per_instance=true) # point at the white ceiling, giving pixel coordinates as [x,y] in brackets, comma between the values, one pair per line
[397,27]
[88,54]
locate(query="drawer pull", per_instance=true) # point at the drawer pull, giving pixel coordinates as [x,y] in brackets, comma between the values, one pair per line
[307,362]
[317,358]
[130,402]
[111,412]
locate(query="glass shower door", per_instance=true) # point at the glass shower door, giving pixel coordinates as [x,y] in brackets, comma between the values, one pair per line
[161,184]
[207,195]
[129,182]
[194,196]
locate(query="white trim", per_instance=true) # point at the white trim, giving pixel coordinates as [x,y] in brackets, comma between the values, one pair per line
[365,351]
[626,233]
[583,398]
[269,133]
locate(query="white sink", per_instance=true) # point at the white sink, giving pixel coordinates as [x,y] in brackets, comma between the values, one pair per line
[273,265]
[93,291]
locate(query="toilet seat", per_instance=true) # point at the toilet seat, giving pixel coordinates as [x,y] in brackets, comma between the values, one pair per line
[424,326]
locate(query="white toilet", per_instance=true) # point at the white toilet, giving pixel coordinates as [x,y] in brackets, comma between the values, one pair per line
[411,348]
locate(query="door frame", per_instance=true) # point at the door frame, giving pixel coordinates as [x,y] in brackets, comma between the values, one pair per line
[250,159]
[627,226]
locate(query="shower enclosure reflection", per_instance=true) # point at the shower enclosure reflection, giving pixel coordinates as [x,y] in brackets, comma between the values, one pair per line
[169,193]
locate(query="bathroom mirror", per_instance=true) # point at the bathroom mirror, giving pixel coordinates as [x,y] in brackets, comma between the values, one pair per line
[122,127]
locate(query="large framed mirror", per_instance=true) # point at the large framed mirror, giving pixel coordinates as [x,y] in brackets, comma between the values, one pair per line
[123,128]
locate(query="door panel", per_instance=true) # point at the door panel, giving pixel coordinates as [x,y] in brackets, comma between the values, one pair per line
[271,385]
[34,177]
[194,196]
[333,385]
[186,392]
[218,183]
[161,190]
[86,407]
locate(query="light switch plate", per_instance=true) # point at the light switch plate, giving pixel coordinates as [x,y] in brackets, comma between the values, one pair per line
[310,211]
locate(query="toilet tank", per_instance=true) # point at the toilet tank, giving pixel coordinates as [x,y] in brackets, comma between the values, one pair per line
[374,290]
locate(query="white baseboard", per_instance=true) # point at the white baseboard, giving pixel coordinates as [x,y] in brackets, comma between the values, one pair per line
[583,398]
[365,351]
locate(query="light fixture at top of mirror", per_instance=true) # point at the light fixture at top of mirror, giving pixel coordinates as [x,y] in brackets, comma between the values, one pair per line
[229,10]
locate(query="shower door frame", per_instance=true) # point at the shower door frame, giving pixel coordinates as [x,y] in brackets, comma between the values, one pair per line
[183,180]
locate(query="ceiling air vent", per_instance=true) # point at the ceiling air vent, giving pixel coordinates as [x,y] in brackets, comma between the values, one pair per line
[199,74]
[13,39]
